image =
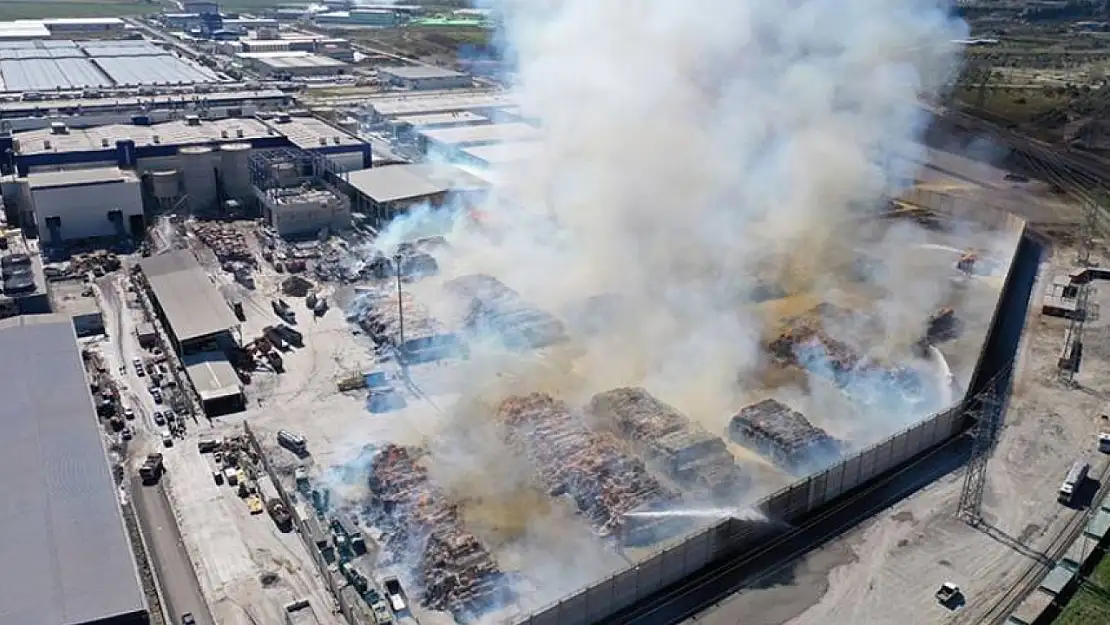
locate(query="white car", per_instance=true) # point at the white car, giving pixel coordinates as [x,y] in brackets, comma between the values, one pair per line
[128,414]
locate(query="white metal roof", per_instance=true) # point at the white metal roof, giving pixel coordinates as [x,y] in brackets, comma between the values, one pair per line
[192,304]
[70,177]
[212,375]
[51,74]
[499,153]
[393,106]
[436,119]
[152,70]
[417,72]
[167,133]
[404,182]
[488,133]
[310,133]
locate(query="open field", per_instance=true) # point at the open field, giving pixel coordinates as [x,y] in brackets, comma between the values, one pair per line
[33,9]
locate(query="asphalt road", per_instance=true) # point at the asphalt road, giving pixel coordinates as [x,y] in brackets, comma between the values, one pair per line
[180,588]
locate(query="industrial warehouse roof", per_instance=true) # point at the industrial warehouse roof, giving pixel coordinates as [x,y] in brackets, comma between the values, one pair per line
[74,177]
[212,375]
[418,72]
[193,305]
[405,182]
[441,119]
[310,132]
[291,60]
[67,557]
[488,133]
[180,132]
[34,66]
[134,101]
[500,153]
[438,103]
[23,30]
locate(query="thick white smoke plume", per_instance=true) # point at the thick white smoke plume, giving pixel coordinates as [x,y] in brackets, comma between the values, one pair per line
[692,152]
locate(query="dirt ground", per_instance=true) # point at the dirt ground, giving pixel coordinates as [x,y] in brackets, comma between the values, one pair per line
[889,567]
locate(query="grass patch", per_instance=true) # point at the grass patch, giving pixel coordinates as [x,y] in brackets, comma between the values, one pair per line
[35,9]
[1085,608]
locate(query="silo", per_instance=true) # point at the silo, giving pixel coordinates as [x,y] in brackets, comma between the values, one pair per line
[165,186]
[198,177]
[235,170]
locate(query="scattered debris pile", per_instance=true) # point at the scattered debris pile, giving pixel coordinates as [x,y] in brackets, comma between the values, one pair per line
[682,449]
[456,572]
[573,460]
[225,240]
[943,325]
[295,286]
[784,435]
[98,263]
[496,308]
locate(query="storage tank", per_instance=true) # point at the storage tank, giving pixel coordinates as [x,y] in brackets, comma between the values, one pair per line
[198,177]
[235,170]
[165,185]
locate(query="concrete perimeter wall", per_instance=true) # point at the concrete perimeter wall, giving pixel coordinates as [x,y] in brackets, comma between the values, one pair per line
[685,556]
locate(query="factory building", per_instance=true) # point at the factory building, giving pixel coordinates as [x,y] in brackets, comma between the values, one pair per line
[99,202]
[34,67]
[411,125]
[500,154]
[448,142]
[29,30]
[295,198]
[384,192]
[424,78]
[69,556]
[180,21]
[106,109]
[292,64]
[422,104]
[378,18]
[200,325]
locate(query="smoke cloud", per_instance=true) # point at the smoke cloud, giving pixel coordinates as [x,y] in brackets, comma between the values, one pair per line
[693,154]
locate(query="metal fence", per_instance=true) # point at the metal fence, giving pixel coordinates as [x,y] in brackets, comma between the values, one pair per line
[689,554]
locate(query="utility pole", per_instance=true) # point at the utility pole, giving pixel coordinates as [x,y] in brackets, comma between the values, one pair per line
[400,307]
[984,436]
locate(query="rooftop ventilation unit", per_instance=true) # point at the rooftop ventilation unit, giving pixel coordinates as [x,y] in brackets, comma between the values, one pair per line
[239,133]
[336,140]
[323,140]
[46,144]
[156,139]
[223,134]
[103,142]
[283,118]
[58,128]
[192,120]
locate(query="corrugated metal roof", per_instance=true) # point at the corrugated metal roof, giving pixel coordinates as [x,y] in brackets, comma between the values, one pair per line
[417,72]
[438,119]
[169,133]
[67,557]
[212,375]
[51,74]
[499,153]
[307,132]
[192,304]
[152,70]
[403,182]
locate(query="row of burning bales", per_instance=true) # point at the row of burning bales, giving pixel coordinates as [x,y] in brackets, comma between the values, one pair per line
[625,452]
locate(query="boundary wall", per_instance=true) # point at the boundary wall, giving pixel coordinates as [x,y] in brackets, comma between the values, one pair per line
[683,557]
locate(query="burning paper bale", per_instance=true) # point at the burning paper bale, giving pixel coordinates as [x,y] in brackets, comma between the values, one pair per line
[387,319]
[572,460]
[226,241]
[682,449]
[784,435]
[456,573]
[495,308]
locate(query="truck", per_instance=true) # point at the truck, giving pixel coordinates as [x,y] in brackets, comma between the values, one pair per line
[292,442]
[283,310]
[289,335]
[274,505]
[1104,442]
[275,338]
[152,468]
[395,594]
[947,593]
[1075,478]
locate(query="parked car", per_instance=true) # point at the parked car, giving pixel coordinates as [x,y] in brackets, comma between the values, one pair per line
[128,414]
[159,418]
[157,395]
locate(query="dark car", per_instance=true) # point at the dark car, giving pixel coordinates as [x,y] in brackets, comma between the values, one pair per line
[187,619]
